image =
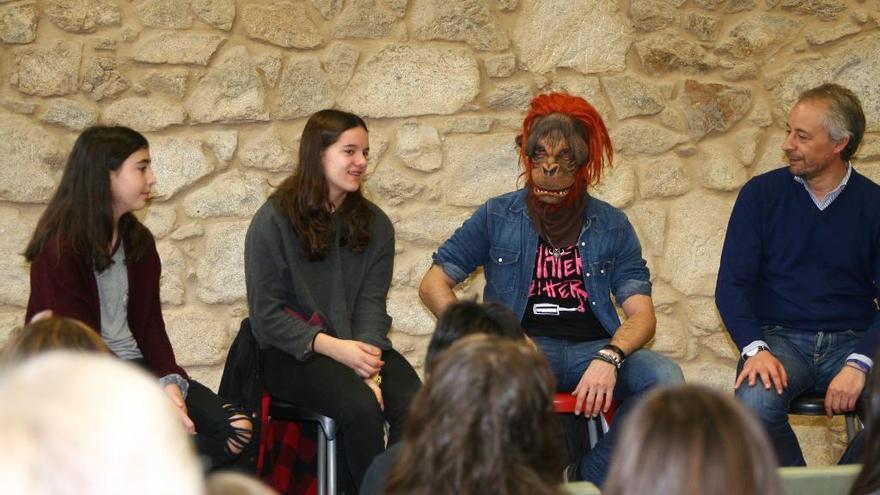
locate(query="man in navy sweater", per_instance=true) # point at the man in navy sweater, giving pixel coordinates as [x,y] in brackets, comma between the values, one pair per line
[796,286]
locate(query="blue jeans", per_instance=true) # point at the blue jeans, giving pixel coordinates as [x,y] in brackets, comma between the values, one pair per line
[811,361]
[641,371]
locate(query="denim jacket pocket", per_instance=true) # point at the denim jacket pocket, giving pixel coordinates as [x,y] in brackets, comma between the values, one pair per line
[503,269]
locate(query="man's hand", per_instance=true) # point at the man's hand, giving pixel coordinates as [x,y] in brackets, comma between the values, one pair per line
[374,386]
[765,365]
[596,389]
[844,390]
[173,392]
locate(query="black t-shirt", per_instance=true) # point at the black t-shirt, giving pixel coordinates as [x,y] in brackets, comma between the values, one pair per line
[559,305]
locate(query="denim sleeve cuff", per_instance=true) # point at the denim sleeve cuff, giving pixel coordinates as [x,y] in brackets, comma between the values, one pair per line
[631,288]
[452,271]
[176,379]
[754,345]
[861,358]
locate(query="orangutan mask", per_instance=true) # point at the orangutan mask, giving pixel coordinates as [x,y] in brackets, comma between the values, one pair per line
[556,149]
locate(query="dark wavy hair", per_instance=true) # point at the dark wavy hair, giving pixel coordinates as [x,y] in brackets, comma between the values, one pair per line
[483,423]
[463,318]
[80,212]
[304,196]
[692,440]
[868,480]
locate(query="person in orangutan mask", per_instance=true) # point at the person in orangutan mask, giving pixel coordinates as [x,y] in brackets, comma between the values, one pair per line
[555,256]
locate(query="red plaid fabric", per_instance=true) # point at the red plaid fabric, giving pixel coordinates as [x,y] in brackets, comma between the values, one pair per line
[287,460]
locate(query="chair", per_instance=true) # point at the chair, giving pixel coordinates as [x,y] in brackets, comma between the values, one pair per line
[273,408]
[563,403]
[814,405]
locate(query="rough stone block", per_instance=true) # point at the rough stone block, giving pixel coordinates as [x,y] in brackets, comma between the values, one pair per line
[328,8]
[663,177]
[27,156]
[70,114]
[470,21]
[82,16]
[218,13]
[101,79]
[667,52]
[267,151]
[144,114]
[169,82]
[171,286]
[631,96]
[405,80]
[364,19]
[509,96]
[503,65]
[230,92]
[758,36]
[651,15]
[340,62]
[171,47]
[429,227]
[199,337]
[618,186]
[589,44]
[234,194]
[642,138]
[46,69]
[18,22]
[695,235]
[419,147]
[177,162]
[478,168]
[650,219]
[393,188]
[167,14]
[713,107]
[304,87]
[719,169]
[282,23]
[15,232]
[408,318]
[704,27]
[220,270]
[160,219]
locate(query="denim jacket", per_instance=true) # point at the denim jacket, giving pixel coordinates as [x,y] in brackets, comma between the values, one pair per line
[500,237]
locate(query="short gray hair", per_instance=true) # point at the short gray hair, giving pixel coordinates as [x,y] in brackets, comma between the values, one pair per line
[844,116]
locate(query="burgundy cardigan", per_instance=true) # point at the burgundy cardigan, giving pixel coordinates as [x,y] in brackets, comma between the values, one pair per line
[65,283]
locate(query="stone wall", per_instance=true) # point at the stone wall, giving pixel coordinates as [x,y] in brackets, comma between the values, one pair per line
[694,92]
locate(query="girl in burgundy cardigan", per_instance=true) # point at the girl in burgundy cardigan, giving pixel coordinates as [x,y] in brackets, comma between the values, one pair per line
[91,259]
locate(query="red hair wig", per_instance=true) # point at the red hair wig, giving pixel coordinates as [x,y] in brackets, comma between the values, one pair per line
[598,141]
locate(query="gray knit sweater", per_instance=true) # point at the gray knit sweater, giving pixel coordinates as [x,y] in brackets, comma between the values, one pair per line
[346,290]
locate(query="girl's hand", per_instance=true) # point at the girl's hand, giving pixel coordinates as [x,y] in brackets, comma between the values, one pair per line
[173,392]
[364,359]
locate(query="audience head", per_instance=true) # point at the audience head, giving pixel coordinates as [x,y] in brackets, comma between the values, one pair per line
[76,423]
[691,440]
[868,480]
[233,483]
[469,317]
[482,423]
[53,333]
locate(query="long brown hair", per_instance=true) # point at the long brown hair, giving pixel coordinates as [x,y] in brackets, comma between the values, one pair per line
[80,212]
[483,423]
[304,196]
[691,440]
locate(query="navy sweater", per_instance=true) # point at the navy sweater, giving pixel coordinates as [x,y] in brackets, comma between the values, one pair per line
[787,263]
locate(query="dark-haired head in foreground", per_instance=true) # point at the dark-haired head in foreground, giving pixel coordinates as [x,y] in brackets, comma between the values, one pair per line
[483,423]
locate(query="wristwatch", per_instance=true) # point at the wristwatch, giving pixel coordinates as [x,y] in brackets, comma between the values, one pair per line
[756,350]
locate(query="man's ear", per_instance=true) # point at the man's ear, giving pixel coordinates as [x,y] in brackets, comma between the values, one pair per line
[840,145]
